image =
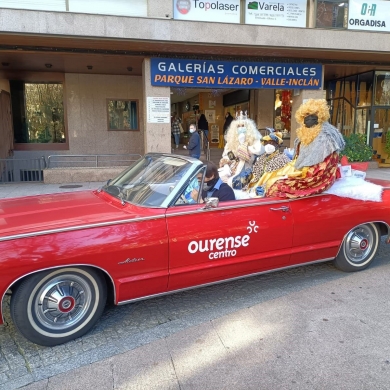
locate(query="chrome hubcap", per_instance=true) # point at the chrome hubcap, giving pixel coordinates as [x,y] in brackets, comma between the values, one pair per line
[62,302]
[359,244]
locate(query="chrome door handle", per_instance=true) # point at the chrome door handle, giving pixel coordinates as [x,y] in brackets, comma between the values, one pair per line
[283,209]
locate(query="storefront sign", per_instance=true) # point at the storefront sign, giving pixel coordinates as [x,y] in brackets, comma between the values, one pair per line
[291,13]
[167,72]
[158,110]
[369,16]
[227,11]
[214,134]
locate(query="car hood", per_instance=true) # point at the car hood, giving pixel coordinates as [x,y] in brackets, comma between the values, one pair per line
[66,210]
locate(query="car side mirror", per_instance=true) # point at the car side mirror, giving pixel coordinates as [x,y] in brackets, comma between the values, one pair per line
[211,203]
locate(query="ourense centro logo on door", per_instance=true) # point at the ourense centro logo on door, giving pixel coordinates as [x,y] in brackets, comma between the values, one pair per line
[219,248]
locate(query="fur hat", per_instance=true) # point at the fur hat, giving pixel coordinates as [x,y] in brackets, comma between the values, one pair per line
[313,106]
[273,136]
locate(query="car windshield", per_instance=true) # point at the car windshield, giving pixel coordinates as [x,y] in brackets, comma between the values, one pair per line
[150,180]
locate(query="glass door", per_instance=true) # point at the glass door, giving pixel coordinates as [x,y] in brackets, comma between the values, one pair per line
[380,126]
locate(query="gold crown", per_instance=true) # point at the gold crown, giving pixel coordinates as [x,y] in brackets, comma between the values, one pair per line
[241,116]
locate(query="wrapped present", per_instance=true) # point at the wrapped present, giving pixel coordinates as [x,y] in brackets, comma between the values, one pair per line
[242,179]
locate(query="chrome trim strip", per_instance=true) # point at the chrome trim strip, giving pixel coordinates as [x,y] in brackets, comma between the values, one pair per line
[222,281]
[230,207]
[78,227]
[46,269]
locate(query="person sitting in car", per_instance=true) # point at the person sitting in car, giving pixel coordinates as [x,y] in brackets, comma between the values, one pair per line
[213,186]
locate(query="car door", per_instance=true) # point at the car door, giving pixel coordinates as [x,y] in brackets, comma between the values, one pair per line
[234,239]
[321,222]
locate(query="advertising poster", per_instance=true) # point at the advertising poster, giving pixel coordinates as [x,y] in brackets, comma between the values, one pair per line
[276,13]
[364,15]
[226,11]
[210,115]
[214,134]
[173,72]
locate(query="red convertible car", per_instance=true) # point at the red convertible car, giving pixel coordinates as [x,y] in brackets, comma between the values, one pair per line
[142,235]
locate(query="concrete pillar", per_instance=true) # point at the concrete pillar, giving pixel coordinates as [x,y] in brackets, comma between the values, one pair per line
[311,14]
[304,94]
[160,9]
[264,107]
[157,137]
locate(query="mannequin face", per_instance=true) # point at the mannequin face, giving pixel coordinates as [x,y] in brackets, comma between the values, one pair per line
[311,120]
[269,148]
[241,138]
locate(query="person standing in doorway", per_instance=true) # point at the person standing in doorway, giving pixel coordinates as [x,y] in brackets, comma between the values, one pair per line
[194,143]
[175,128]
[228,121]
[203,125]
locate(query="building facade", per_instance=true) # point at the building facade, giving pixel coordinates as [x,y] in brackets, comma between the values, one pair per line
[104,77]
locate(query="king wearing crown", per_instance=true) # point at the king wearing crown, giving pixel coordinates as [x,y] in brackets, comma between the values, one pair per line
[242,146]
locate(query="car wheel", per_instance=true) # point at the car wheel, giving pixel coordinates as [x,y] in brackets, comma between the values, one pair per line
[358,248]
[56,306]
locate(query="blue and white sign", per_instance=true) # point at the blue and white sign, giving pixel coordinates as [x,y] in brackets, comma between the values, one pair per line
[166,72]
[369,16]
[288,13]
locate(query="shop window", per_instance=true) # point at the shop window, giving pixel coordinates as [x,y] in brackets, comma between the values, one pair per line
[382,88]
[365,87]
[38,112]
[283,102]
[122,115]
[350,101]
[348,124]
[332,14]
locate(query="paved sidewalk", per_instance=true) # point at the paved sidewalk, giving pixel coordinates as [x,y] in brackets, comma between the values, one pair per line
[307,328]
[13,190]
[331,334]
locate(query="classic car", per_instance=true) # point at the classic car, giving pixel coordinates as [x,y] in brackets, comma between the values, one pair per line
[63,256]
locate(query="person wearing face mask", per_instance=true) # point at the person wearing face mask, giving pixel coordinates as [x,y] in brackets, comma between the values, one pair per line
[194,143]
[314,166]
[213,186]
[268,164]
[243,145]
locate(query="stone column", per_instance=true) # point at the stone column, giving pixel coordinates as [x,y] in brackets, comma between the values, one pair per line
[304,94]
[157,136]
[265,102]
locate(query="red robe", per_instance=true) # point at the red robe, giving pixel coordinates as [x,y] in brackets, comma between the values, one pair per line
[318,178]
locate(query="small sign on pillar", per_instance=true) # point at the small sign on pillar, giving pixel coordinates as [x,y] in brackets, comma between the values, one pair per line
[158,109]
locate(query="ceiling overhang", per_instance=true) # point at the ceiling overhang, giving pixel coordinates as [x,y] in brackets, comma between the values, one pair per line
[117,56]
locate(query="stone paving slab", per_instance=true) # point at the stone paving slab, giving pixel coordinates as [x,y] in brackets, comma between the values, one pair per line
[328,346]
[128,327]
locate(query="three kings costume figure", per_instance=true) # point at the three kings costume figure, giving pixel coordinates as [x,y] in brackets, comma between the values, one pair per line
[314,166]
